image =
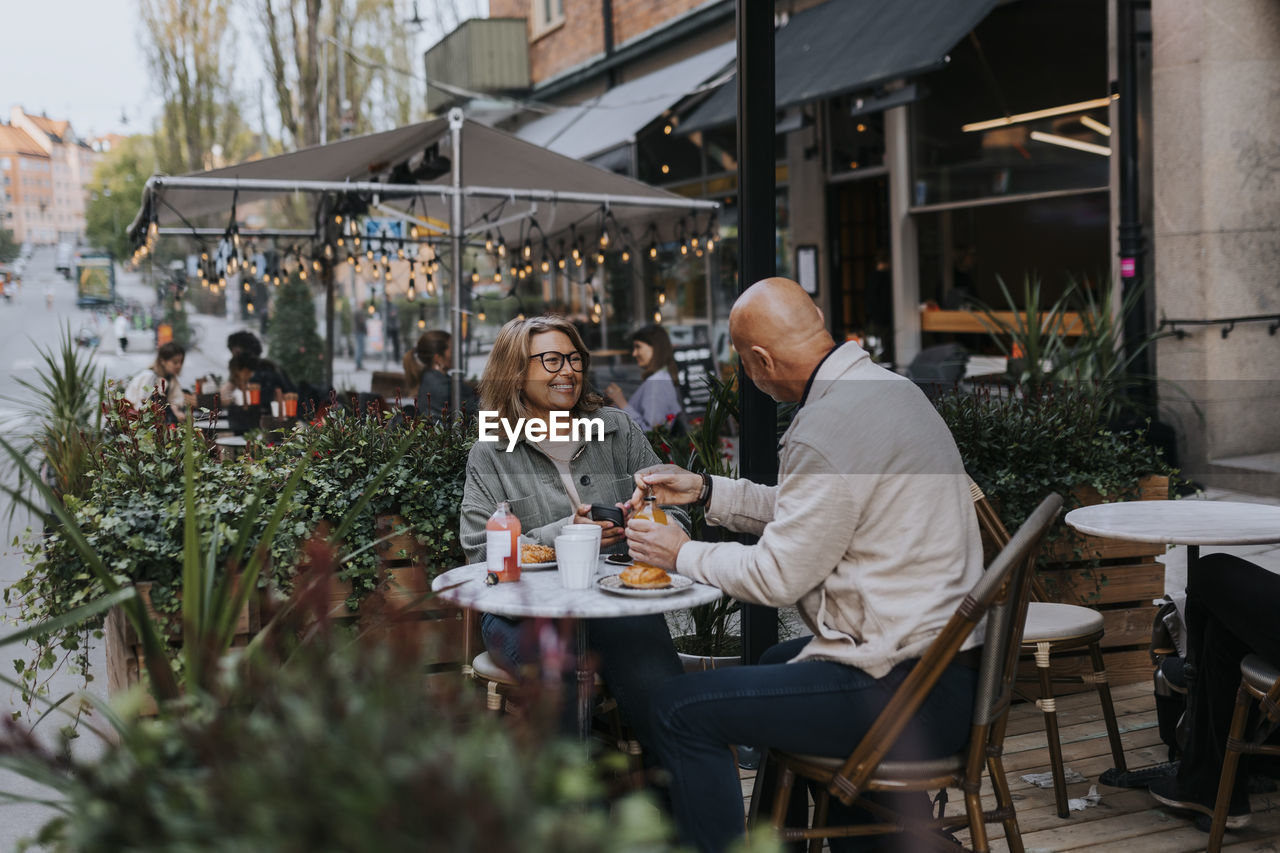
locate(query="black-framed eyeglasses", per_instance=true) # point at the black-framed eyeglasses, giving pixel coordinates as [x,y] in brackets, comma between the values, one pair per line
[552,361]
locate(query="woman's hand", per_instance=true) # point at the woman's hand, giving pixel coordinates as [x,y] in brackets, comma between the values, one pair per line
[610,533]
[614,394]
[670,484]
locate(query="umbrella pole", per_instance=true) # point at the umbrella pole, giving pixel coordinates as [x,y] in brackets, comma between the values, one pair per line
[455,234]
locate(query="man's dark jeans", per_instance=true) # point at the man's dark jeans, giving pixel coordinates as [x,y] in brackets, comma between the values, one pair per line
[810,707]
[1231,611]
[635,655]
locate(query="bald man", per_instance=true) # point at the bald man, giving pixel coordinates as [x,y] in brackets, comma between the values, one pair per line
[870,532]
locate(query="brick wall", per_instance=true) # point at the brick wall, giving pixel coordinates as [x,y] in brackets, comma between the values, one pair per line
[581,36]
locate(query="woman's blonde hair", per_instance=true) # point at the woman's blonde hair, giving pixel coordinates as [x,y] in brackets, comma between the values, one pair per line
[502,385]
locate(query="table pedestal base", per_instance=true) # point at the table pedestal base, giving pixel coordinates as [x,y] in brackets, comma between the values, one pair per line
[1138,778]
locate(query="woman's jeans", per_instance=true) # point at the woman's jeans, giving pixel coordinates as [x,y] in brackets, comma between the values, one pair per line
[809,707]
[635,655]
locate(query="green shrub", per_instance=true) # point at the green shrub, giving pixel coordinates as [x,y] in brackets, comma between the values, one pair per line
[132,514]
[1020,446]
[330,744]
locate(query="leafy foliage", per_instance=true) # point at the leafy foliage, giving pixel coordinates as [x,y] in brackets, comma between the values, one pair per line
[352,468]
[424,485]
[1040,352]
[1019,447]
[306,740]
[293,340]
[118,180]
[8,246]
[63,403]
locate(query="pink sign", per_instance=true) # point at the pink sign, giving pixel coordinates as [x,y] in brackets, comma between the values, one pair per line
[1128,267]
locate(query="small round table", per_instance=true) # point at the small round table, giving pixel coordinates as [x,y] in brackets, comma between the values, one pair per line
[539,594]
[1186,522]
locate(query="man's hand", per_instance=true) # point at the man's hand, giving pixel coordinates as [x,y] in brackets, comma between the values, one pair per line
[610,533]
[670,484]
[655,544]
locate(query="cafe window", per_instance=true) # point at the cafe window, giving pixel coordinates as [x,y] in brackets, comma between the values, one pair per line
[1056,240]
[1021,108]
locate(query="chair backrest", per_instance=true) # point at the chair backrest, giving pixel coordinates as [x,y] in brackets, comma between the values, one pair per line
[1006,587]
[1001,595]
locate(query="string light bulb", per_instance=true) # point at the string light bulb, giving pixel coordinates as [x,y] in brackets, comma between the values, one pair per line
[653,250]
[626,256]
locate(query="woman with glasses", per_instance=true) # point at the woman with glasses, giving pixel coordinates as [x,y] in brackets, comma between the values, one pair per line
[539,366]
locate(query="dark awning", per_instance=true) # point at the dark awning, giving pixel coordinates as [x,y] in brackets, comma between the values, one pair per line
[852,45]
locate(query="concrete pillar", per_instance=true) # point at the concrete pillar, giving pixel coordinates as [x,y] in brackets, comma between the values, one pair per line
[1216,122]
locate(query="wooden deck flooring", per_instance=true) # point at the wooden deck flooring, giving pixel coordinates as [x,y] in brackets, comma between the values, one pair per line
[1125,820]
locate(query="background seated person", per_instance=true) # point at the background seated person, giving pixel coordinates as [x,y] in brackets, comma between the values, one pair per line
[159,383]
[434,354]
[538,366]
[1230,613]
[657,400]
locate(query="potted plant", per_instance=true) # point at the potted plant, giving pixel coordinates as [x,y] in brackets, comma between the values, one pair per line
[1020,446]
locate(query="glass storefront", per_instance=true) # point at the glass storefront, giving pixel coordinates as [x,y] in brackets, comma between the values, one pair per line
[1020,108]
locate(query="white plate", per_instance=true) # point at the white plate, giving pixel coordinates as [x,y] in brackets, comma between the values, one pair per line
[613,584]
[537,567]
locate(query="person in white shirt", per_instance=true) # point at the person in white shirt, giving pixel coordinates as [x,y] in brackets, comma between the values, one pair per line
[160,383]
[121,329]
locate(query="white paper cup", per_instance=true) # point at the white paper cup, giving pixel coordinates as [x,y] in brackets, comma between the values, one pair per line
[576,557]
[275,408]
[594,531]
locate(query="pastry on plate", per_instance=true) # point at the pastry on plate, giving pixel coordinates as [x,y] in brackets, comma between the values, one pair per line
[537,554]
[644,577]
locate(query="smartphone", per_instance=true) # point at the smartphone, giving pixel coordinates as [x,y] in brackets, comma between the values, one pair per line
[603,512]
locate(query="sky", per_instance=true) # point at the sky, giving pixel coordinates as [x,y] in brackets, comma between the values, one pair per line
[80,60]
[77,60]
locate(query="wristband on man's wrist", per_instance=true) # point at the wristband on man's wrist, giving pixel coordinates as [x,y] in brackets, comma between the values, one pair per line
[705,496]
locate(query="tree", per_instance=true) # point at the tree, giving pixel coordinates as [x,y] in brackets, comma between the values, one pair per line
[8,246]
[116,192]
[190,46]
[383,80]
[293,341]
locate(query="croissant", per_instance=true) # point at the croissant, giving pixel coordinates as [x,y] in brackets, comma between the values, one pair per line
[645,577]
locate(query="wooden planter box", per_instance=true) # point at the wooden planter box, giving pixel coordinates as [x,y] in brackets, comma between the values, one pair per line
[125,658]
[1122,586]
[449,635]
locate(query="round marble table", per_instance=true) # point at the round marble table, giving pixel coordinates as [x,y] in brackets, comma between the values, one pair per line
[539,594]
[1186,522]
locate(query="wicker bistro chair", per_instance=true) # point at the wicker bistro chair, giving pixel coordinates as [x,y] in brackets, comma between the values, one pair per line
[1055,627]
[1259,682]
[1001,595]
